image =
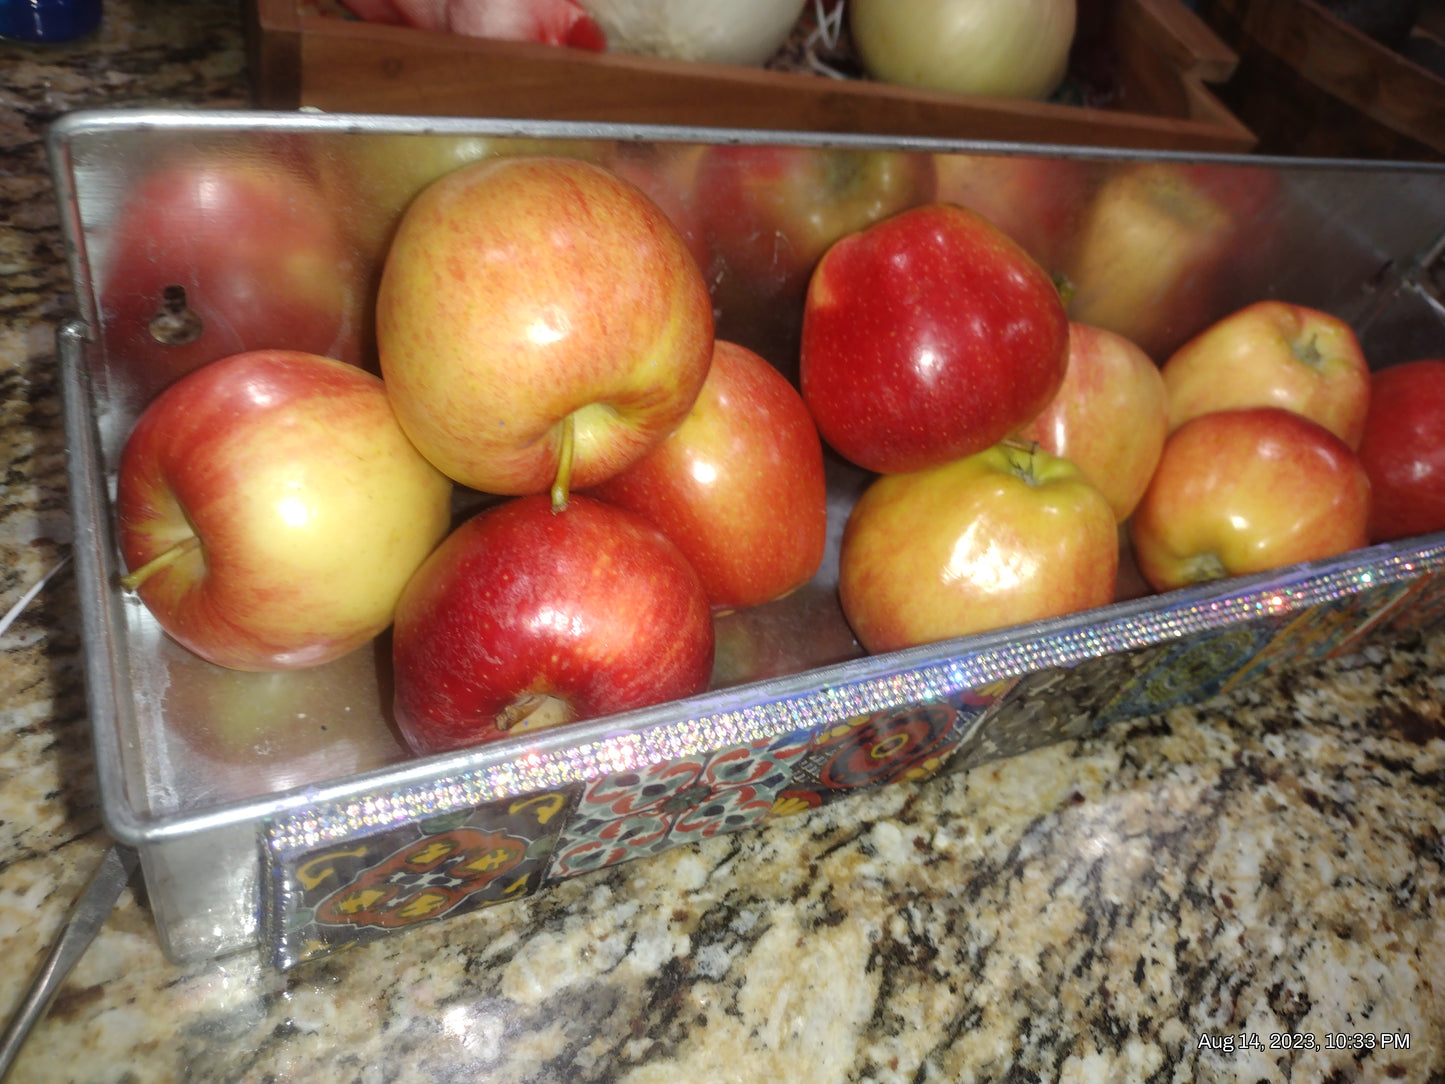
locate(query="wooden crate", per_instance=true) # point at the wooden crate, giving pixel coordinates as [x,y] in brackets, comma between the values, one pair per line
[1164,56]
[1310,84]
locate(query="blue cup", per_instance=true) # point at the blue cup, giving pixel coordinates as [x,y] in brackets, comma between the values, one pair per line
[48,20]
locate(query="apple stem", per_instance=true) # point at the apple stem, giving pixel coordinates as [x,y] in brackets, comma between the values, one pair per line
[1065,286]
[565,454]
[1022,456]
[1310,354]
[164,559]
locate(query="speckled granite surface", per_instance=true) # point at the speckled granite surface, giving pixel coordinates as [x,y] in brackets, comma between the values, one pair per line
[1143,906]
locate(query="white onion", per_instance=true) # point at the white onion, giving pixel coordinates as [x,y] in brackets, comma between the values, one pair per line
[745,32]
[994,48]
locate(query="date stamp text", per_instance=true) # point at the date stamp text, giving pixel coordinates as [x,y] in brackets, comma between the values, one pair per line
[1231,1042]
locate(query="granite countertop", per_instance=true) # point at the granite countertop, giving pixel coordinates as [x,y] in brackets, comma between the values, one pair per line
[1121,908]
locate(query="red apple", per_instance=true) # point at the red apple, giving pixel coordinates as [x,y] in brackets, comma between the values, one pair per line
[1109,417]
[739,486]
[1241,491]
[216,254]
[1273,353]
[770,212]
[1159,248]
[928,337]
[1403,450]
[271,509]
[526,617]
[1009,535]
[536,313]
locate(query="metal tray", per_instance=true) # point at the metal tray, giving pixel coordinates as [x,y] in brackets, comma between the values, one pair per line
[284,812]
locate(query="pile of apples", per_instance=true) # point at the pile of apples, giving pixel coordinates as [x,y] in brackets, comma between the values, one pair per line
[562,472]
[546,339]
[1016,450]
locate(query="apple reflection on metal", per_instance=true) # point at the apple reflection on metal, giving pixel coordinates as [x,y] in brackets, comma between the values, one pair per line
[928,337]
[771,212]
[1010,535]
[216,255]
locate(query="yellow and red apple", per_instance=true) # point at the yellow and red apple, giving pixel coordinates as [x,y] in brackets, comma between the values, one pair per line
[1240,491]
[370,177]
[667,173]
[771,211]
[537,316]
[1109,417]
[271,510]
[1156,250]
[739,486]
[1273,353]
[1037,200]
[1006,536]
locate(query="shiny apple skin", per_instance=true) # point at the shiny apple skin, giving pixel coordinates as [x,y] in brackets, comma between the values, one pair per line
[520,291]
[311,507]
[1243,491]
[264,261]
[928,337]
[1403,450]
[592,605]
[739,486]
[1273,353]
[996,539]
[1109,417]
